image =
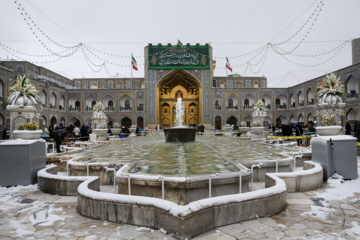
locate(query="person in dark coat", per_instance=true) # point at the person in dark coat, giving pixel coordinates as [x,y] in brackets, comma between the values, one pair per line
[347,129]
[83,133]
[299,132]
[59,135]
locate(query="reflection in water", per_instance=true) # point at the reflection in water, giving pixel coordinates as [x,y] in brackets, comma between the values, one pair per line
[206,155]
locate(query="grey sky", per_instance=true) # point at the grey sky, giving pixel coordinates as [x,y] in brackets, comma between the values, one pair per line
[232,27]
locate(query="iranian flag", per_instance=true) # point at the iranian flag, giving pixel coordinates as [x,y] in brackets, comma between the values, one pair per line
[228,64]
[134,63]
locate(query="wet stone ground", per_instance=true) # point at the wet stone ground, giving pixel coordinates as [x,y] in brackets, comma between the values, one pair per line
[27,213]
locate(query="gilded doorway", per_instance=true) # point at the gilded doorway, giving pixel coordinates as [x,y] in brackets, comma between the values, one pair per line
[174,85]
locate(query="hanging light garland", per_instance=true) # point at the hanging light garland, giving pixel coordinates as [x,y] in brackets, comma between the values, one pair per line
[313,65]
[31,22]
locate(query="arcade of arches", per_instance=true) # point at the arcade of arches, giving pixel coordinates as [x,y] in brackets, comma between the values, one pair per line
[170,88]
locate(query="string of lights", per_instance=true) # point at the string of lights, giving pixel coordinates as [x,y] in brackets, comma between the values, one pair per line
[262,65]
[106,61]
[318,54]
[31,22]
[313,65]
[242,55]
[315,13]
[88,61]
[13,53]
[111,54]
[35,55]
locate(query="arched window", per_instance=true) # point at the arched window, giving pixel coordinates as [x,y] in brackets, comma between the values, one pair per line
[84,85]
[77,106]
[102,85]
[246,103]
[179,94]
[217,106]
[230,103]
[1,89]
[127,105]
[111,105]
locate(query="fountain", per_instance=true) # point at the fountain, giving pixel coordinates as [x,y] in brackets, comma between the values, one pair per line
[180,133]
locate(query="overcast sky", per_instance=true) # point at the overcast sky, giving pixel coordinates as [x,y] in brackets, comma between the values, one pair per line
[233,28]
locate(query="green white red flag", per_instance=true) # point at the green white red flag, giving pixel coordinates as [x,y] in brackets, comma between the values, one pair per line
[228,64]
[134,63]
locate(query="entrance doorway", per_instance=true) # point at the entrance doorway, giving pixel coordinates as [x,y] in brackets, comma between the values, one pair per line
[217,122]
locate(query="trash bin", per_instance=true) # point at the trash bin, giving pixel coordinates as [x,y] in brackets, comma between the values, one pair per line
[122,135]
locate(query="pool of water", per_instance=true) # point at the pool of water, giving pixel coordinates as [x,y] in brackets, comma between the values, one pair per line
[206,155]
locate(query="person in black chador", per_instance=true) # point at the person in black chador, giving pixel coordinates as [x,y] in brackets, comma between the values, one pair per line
[84,133]
[347,128]
[59,135]
[299,132]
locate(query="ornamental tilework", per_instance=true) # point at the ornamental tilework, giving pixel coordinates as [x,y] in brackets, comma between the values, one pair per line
[94,94]
[77,95]
[151,96]
[277,94]
[161,73]
[352,73]
[111,94]
[206,94]
[244,94]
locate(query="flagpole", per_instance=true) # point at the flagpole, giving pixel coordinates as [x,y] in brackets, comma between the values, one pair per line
[131,67]
[226,72]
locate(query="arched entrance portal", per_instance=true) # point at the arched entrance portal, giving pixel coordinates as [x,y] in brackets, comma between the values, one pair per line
[177,84]
[231,120]
[126,121]
[140,122]
[217,122]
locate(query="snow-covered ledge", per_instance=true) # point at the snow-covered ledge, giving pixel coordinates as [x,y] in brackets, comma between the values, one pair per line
[308,179]
[184,221]
[50,182]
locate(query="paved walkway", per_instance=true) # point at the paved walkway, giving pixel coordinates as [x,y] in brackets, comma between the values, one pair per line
[27,213]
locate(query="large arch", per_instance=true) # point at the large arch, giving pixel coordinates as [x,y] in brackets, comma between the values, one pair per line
[108,102]
[1,88]
[217,122]
[301,99]
[352,115]
[266,100]
[53,101]
[126,121]
[179,83]
[125,103]
[280,102]
[232,120]
[310,97]
[292,100]
[89,101]
[62,103]
[53,121]
[249,102]
[43,98]
[280,120]
[232,103]
[352,87]
[75,121]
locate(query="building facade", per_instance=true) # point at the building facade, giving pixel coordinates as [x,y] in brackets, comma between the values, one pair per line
[173,71]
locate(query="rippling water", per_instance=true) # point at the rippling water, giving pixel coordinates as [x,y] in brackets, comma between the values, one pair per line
[206,155]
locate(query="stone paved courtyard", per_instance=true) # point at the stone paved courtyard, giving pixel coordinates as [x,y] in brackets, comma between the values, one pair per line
[27,213]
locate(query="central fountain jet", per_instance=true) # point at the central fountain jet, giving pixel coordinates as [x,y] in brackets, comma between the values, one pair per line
[180,133]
